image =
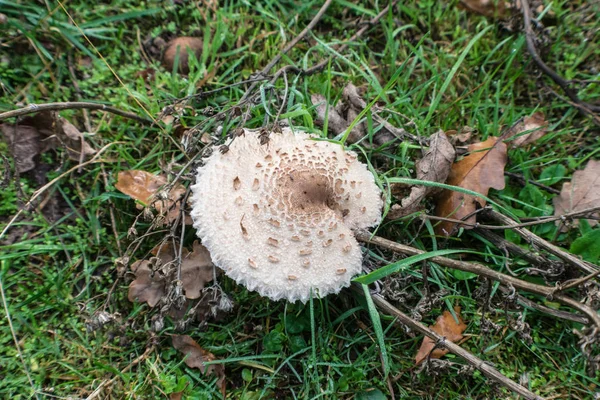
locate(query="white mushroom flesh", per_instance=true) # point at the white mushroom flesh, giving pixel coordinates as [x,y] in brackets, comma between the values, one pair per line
[278,217]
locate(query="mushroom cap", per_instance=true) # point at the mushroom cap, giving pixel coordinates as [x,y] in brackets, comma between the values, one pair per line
[278,217]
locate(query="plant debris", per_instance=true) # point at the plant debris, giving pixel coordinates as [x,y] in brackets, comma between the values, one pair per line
[178,50]
[39,133]
[488,8]
[152,190]
[528,130]
[196,357]
[446,326]
[479,171]
[434,167]
[581,193]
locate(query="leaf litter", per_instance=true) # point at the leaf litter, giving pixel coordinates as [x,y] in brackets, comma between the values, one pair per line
[446,326]
[44,131]
[153,190]
[527,130]
[581,193]
[481,170]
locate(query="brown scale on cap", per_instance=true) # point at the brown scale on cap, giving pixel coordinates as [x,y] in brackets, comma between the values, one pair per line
[296,202]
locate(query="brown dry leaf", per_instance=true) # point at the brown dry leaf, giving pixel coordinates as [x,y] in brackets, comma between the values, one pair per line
[148,286]
[41,132]
[581,193]
[434,167]
[144,187]
[479,171]
[180,47]
[196,356]
[528,130]
[196,271]
[488,8]
[445,326]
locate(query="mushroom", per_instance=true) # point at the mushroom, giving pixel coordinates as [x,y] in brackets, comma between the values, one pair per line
[278,217]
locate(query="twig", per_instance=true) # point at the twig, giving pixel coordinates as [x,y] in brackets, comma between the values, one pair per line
[524,181]
[485,368]
[576,282]
[265,71]
[539,242]
[15,340]
[559,80]
[569,316]
[484,271]
[71,105]
[109,382]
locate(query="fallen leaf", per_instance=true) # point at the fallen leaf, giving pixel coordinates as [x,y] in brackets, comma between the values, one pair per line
[528,130]
[479,171]
[176,396]
[446,326]
[196,271]
[488,8]
[39,133]
[148,286]
[146,188]
[462,136]
[581,193]
[196,357]
[434,167]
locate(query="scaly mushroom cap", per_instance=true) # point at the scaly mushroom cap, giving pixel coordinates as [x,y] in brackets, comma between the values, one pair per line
[278,217]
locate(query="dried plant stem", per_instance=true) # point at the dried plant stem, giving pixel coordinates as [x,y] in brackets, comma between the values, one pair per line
[541,243]
[71,105]
[486,272]
[512,248]
[485,368]
[587,108]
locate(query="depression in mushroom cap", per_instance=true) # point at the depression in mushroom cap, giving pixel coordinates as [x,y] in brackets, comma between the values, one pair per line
[278,217]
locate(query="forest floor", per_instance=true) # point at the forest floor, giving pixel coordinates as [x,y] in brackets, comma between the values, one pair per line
[76,222]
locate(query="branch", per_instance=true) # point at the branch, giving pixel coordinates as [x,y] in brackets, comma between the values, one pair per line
[559,80]
[484,271]
[485,368]
[71,105]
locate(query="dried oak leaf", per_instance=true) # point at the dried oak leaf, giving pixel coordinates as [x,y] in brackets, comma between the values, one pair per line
[488,8]
[41,132]
[581,193]
[528,130]
[196,270]
[196,357]
[446,326]
[434,166]
[148,286]
[479,171]
[145,187]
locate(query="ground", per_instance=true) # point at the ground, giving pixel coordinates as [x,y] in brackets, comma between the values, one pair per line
[68,329]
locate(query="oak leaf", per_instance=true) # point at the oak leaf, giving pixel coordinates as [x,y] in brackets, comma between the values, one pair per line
[149,286]
[434,167]
[479,171]
[446,326]
[528,130]
[196,357]
[581,193]
[147,188]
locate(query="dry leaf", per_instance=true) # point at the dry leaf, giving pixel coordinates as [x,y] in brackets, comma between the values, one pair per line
[434,167]
[528,130]
[179,47]
[196,271]
[462,136]
[148,286]
[196,356]
[479,171]
[145,187]
[581,193]
[488,8]
[41,132]
[445,326]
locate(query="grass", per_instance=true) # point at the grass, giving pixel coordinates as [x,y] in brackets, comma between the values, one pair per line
[432,65]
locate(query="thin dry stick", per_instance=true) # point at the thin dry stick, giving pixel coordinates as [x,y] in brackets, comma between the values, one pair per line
[71,105]
[288,47]
[559,80]
[482,270]
[485,368]
[109,382]
[539,242]
[15,340]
